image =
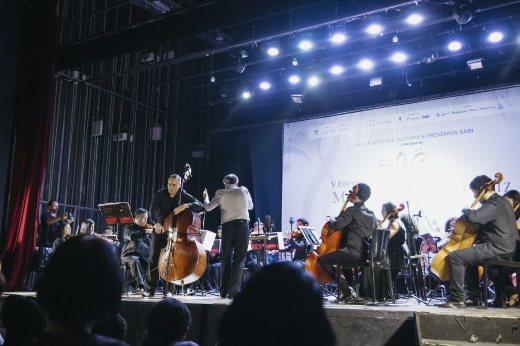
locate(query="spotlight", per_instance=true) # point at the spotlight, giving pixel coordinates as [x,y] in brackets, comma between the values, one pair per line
[428,55]
[298,98]
[414,19]
[294,79]
[336,70]
[313,81]
[366,64]
[295,62]
[374,29]
[454,46]
[246,94]
[463,12]
[273,49]
[376,81]
[265,85]
[212,79]
[399,57]
[339,37]
[305,45]
[495,36]
[475,64]
[395,39]
[239,68]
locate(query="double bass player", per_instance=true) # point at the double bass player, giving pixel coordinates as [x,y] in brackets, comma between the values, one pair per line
[496,239]
[163,203]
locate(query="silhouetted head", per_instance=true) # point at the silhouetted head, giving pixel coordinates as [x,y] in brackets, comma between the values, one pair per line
[113,326]
[82,282]
[23,319]
[168,322]
[279,289]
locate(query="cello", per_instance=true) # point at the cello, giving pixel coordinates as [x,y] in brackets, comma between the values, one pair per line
[183,260]
[463,236]
[329,242]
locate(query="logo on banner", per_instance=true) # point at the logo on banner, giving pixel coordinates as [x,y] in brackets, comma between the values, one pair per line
[500,106]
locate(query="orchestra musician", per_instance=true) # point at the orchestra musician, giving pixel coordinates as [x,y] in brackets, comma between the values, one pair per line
[513,197]
[136,249]
[254,260]
[357,222]
[448,230]
[64,232]
[235,203]
[299,244]
[87,227]
[397,248]
[496,238]
[163,203]
[214,264]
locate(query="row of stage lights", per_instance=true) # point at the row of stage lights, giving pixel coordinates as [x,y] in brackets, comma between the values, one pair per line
[364,64]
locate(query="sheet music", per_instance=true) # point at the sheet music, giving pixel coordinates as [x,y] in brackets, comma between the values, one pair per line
[207,242]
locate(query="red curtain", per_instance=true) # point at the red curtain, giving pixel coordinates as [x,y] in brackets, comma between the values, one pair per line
[33,115]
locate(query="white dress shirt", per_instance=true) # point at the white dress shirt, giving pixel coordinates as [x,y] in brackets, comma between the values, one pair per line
[234,203]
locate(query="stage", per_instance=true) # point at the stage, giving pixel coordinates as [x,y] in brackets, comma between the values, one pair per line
[353,324]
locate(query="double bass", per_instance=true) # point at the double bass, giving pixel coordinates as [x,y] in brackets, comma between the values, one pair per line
[329,242]
[183,260]
[463,236]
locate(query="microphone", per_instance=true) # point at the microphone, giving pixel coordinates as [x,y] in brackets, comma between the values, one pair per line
[291,220]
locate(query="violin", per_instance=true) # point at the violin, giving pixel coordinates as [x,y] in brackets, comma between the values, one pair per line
[463,236]
[394,214]
[297,234]
[68,236]
[147,227]
[330,240]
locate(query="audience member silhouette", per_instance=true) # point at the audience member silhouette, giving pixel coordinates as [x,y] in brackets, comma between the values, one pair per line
[80,285]
[168,323]
[23,319]
[297,297]
[113,326]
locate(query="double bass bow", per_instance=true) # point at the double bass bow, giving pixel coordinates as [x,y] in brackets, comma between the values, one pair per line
[184,259]
[329,242]
[463,236]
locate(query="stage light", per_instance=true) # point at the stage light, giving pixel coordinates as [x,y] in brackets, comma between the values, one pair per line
[395,39]
[376,81]
[265,85]
[298,98]
[295,62]
[305,45]
[366,64]
[399,57]
[212,79]
[313,81]
[338,38]
[374,29]
[495,36]
[246,94]
[475,64]
[414,19]
[454,46]
[294,79]
[336,70]
[273,51]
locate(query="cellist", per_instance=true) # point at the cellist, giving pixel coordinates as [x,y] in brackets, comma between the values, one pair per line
[496,240]
[163,203]
[357,222]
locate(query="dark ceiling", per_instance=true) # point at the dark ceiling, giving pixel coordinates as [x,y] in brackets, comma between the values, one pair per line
[220,37]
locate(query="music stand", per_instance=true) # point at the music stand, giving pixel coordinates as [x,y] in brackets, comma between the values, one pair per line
[116,214]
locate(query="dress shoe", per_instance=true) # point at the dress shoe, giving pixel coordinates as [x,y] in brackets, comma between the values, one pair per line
[151,293]
[143,292]
[497,303]
[347,294]
[167,295]
[452,304]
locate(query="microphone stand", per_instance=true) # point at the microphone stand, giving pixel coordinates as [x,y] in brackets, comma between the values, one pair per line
[412,275]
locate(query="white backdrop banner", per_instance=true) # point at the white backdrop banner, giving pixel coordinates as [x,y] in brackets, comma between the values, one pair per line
[425,153]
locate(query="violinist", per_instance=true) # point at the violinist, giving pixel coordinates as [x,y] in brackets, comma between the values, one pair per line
[65,233]
[357,222]
[87,227]
[163,203]
[298,243]
[496,239]
[136,248]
